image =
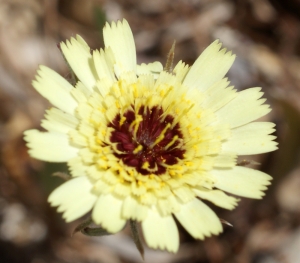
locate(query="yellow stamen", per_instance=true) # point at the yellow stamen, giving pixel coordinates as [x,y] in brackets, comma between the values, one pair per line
[138,149]
[161,136]
[172,173]
[135,124]
[145,165]
[123,119]
[171,142]
[188,163]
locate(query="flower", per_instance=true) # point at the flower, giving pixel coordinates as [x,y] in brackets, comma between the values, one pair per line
[145,144]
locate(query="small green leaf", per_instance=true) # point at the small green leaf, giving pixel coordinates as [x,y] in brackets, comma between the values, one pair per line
[136,237]
[100,17]
[95,231]
[170,59]
[90,231]
[62,175]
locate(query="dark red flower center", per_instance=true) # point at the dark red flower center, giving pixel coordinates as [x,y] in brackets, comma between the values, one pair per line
[149,140]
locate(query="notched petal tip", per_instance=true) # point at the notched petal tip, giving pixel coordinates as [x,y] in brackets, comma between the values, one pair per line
[124,53]
[210,67]
[160,232]
[78,55]
[199,220]
[81,41]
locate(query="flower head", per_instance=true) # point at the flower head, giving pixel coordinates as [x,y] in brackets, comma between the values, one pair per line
[146,144]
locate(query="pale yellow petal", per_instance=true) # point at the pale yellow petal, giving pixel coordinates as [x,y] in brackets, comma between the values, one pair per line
[107,213]
[184,193]
[104,86]
[153,68]
[55,89]
[103,66]
[59,121]
[180,70]
[49,146]
[78,95]
[169,205]
[74,198]
[252,138]
[81,61]
[244,108]
[218,95]
[198,219]
[242,181]
[225,160]
[119,38]
[210,67]
[77,167]
[87,155]
[83,43]
[77,139]
[165,78]
[217,197]
[83,89]
[160,232]
[132,209]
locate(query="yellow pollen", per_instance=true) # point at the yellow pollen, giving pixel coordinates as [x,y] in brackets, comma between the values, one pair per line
[104,166]
[145,165]
[172,173]
[98,141]
[151,176]
[171,142]
[178,167]
[102,109]
[135,93]
[140,183]
[162,184]
[118,104]
[121,180]
[161,136]
[123,119]
[138,149]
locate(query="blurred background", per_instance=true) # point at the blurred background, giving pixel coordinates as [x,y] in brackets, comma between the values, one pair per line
[265,36]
